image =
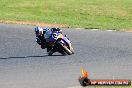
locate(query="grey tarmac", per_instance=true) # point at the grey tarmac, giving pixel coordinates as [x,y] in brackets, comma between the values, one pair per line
[23,64]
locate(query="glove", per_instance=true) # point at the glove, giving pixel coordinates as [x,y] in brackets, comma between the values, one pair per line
[38,41]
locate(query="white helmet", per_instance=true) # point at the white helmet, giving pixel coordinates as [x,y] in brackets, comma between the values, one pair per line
[38,30]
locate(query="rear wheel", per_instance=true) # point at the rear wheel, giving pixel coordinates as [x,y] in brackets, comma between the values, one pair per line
[50,53]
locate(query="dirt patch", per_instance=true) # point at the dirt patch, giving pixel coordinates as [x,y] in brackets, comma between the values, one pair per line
[33,23]
[126,30]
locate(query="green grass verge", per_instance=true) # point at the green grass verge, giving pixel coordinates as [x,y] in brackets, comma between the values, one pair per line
[103,14]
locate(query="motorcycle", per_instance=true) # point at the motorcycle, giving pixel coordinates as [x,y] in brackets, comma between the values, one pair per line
[59,42]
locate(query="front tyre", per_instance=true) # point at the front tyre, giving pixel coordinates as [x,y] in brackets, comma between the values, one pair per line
[65,48]
[71,49]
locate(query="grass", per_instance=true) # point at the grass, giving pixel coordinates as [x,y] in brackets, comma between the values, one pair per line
[102,14]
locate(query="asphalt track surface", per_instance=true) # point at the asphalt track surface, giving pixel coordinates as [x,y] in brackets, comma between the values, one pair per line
[23,64]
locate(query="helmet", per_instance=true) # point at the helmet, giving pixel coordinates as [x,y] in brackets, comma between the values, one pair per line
[38,30]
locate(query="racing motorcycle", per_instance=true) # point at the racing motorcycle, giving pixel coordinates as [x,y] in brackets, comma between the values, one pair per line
[59,42]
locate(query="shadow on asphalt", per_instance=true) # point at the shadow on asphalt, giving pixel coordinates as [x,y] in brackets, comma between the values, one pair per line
[29,56]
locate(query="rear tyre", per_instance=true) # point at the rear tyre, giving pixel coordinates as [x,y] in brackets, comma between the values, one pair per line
[50,53]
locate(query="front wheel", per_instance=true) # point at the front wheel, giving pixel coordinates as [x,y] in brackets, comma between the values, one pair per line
[72,50]
[65,48]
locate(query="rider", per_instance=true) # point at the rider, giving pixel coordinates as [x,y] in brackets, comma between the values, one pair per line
[42,35]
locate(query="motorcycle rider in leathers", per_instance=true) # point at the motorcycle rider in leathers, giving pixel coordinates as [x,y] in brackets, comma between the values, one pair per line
[42,34]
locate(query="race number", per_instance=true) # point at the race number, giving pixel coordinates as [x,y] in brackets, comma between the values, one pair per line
[54,35]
